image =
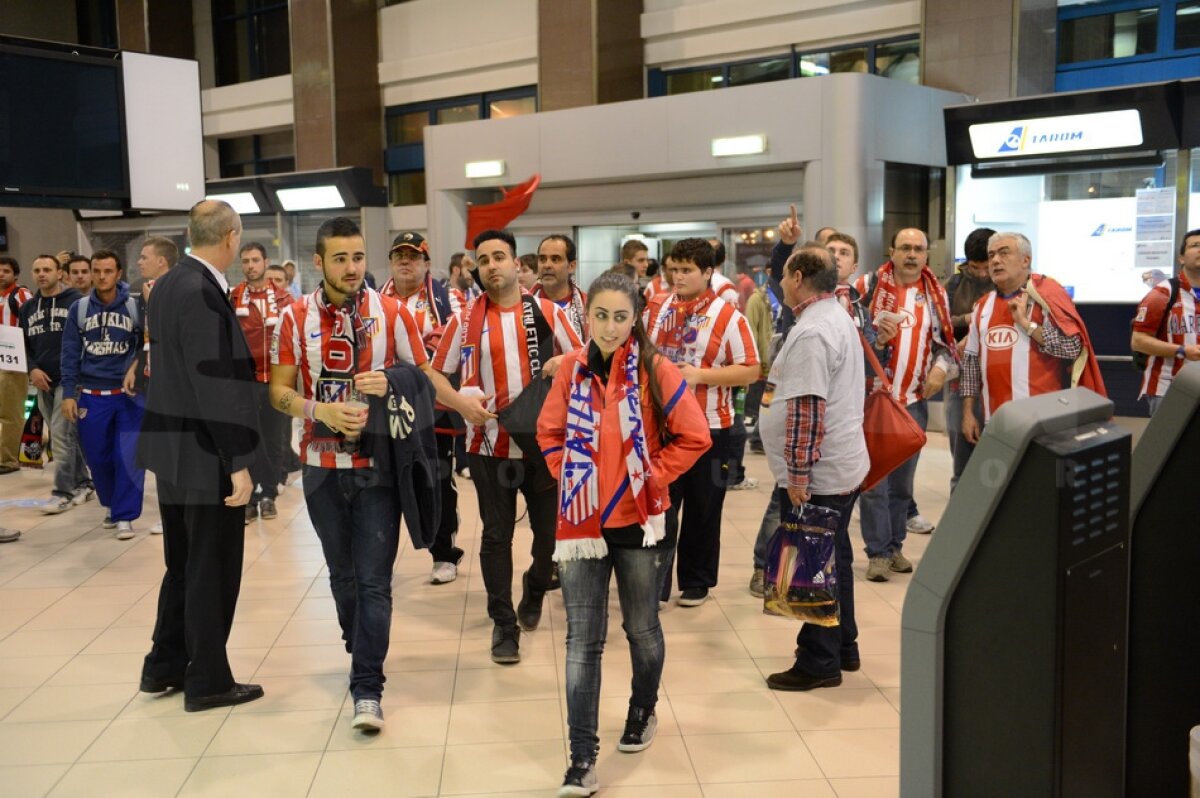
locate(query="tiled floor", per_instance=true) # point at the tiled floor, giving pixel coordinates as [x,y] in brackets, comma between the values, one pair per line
[77,608]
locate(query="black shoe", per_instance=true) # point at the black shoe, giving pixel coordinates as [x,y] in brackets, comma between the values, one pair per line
[693,597]
[640,726]
[799,680]
[579,781]
[238,694]
[149,684]
[251,512]
[505,648]
[266,509]
[849,664]
[529,611]
[554,583]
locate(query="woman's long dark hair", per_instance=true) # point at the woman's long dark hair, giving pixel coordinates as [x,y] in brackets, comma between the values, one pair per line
[647,352]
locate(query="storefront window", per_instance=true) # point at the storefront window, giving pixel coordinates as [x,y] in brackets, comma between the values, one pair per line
[697,80]
[407,128]
[458,113]
[851,60]
[519,106]
[1098,233]
[760,71]
[1104,36]
[899,60]
[406,188]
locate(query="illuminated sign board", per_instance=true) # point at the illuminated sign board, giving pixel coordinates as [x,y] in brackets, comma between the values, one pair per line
[1056,135]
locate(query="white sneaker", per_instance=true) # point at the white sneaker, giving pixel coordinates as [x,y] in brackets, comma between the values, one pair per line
[443,572]
[749,483]
[919,525]
[157,529]
[368,715]
[83,495]
[124,530]
[58,504]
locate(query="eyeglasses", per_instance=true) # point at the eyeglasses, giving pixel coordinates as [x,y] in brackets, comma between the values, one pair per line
[915,249]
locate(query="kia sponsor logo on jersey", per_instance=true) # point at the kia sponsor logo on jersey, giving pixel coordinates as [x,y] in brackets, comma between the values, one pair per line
[1000,338]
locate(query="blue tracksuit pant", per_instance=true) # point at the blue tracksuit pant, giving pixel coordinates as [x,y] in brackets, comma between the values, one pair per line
[108,432]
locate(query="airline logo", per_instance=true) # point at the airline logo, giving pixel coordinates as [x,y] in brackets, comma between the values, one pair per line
[1110,228]
[1058,134]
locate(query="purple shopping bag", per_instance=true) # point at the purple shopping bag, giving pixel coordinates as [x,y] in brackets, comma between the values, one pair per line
[800,580]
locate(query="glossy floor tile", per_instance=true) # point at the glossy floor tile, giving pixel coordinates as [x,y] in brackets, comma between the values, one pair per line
[77,608]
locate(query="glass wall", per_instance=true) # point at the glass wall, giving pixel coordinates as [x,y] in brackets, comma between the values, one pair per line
[1100,233]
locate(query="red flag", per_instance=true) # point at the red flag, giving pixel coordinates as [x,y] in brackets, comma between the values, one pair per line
[498,214]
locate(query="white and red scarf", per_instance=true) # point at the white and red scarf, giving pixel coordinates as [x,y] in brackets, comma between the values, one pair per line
[888,290]
[580,520]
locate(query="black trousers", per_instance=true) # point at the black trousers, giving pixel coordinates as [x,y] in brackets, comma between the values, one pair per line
[274,441]
[497,481]
[202,545]
[699,496]
[443,549]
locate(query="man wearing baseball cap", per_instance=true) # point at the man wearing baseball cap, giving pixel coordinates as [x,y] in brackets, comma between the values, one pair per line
[431,305]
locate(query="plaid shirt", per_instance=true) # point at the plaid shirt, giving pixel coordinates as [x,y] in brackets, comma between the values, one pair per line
[1054,343]
[805,431]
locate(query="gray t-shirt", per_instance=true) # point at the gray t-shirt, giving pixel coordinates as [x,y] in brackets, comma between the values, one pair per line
[821,357]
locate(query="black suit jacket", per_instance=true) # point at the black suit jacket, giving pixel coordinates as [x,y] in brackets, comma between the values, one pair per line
[201,422]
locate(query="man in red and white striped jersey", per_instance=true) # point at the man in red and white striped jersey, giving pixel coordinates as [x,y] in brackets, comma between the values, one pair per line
[556,280]
[1168,332]
[911,312]
[259,305]
[713,346]
[13,384]
[432,305]
[721,285]
[502,342]
[334,344]
[1026,337]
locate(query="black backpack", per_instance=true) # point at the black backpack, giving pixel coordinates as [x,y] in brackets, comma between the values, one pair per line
[1141,359]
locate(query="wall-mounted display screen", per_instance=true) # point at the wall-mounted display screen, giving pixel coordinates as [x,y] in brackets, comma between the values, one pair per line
[61,125]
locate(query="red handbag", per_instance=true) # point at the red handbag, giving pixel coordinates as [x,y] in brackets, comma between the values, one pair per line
[892,434]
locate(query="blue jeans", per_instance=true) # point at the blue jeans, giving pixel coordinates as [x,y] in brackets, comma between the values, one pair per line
[1154,402]
[884,510]
[70,471]
[585,594]
[820,649]
[960,447]
[770,522]
[356,516]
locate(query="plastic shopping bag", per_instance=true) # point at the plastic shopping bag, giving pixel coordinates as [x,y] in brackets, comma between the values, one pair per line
[800,580]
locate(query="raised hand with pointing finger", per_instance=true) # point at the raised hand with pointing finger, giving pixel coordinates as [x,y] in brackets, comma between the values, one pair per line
[789,228]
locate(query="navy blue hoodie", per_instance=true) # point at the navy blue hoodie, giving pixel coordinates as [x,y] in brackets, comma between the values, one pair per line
[43,318]
[98,356]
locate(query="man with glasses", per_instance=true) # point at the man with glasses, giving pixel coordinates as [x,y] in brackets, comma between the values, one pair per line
[911,314]
[1026,337]
[1165,328]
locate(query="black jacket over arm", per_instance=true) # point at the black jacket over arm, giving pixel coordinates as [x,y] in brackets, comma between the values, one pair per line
[201,422]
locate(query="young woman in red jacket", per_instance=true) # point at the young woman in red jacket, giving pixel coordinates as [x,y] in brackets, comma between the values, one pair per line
[618,427]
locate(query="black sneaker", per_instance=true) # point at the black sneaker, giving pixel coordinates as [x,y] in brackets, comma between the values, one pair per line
[505,648]
[796,680]
[693,597]
[579,781]
[640,726]
[251,512]
[266,509]
[529,611]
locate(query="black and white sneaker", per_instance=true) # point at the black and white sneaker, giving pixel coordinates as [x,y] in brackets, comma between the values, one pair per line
[640,726]
[580,781]
[368,716]
[692,597]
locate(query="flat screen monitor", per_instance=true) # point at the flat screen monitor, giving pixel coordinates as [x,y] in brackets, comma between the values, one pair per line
[61,126]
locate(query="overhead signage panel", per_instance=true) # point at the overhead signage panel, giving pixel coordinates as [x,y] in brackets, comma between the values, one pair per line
[1107,130]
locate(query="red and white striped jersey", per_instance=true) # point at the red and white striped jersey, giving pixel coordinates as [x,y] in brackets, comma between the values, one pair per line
[912,348]
[718,335]
[724,288]
[1180,329]
[11,302]
[1010,364]
[314,337]
[418,305]
[655,287]
[503,369]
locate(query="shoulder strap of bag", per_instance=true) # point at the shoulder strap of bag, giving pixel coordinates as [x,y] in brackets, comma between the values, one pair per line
[874,361]
[81,309]
[1171,300]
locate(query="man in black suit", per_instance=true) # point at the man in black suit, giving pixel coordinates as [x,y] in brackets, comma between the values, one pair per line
[199,437]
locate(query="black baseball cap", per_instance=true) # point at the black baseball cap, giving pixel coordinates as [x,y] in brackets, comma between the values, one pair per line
[414,241]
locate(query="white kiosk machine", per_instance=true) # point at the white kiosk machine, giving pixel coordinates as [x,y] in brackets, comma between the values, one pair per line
[1013,640]
[1164,594]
